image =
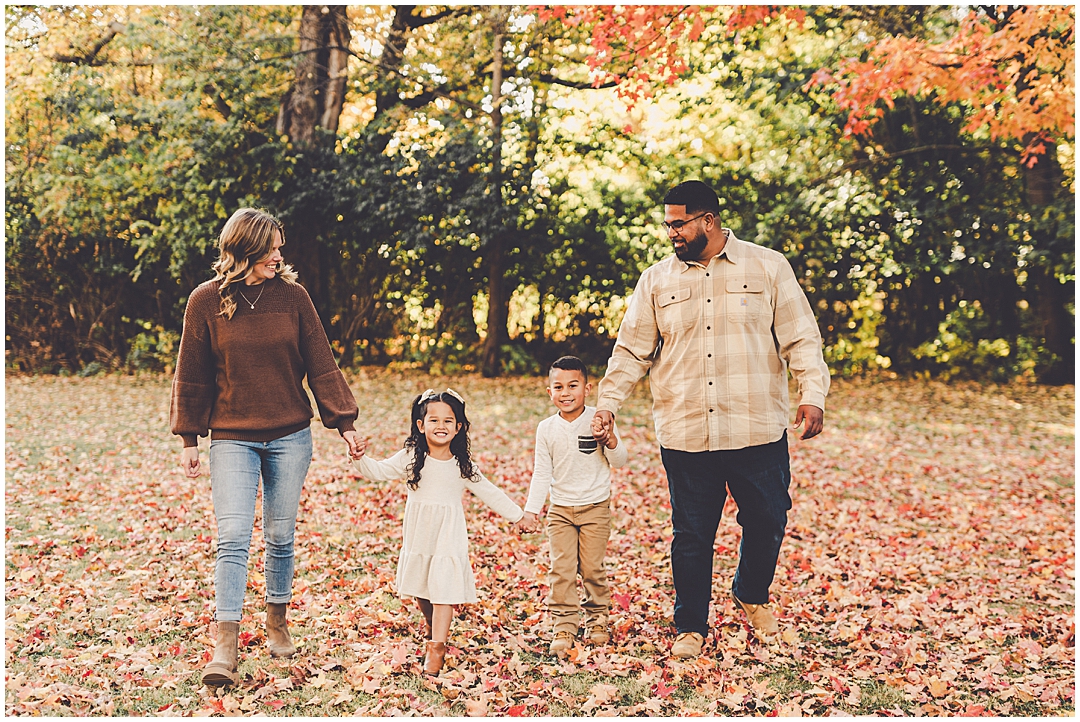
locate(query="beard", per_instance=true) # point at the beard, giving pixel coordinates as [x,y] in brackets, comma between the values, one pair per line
[692,248]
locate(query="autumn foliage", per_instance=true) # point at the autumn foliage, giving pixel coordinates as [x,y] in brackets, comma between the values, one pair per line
[1015,72]
[1013,66]
[636,46]
[928,567]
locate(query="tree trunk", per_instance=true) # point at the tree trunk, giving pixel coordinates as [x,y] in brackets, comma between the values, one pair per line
[1042,180]
[318,92]
[498,298]
[1050,297]
[315,101]
[1055,325]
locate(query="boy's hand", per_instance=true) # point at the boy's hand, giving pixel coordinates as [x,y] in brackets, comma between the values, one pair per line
[602,423]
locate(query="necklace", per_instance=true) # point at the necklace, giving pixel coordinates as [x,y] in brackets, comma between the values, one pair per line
[250,302]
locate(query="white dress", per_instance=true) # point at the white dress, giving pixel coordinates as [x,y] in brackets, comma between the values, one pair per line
[434,562]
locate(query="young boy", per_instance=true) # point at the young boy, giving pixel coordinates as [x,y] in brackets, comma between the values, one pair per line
[577,470]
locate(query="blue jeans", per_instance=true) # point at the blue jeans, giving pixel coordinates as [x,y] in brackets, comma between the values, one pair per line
[758,477]
[235,469]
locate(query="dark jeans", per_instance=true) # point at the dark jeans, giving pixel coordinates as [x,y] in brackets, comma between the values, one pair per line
[758,477]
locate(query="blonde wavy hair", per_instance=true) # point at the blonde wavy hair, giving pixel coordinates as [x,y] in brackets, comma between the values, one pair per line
[246,239]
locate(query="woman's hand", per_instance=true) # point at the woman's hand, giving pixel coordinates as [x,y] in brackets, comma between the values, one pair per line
[357,446]
[189,460]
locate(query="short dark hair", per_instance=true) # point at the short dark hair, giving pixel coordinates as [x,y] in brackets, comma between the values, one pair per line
[570,363]
[696,196]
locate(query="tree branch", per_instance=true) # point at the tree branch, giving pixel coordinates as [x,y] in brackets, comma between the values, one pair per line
[579,85]
[415,21]
[887,157]
[90,57]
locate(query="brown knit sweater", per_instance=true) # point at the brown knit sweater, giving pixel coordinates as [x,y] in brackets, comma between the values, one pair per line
[242,377]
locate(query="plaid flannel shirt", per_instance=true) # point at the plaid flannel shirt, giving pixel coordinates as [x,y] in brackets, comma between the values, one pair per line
[718,340]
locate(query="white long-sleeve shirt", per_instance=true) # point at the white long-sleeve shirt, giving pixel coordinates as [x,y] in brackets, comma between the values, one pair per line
[570,464]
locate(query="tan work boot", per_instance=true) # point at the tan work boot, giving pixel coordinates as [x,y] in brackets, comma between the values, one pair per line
[277,631]
[433,660]
[760,616]
[598,634]
[687,645]
[222,669]
[561,643]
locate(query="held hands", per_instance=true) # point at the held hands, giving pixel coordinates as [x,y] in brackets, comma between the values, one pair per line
[357,446]
[527,523]
[189,462]
[814,418]
[602,424]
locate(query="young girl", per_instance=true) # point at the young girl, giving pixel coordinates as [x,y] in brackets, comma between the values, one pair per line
[434,565]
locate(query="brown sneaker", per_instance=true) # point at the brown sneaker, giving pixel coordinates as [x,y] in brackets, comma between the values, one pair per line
[598,634]
[760,616]
[687,645]
[561,644]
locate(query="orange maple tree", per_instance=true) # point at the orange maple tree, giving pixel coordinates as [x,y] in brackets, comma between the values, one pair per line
[638,46]
[1012,65]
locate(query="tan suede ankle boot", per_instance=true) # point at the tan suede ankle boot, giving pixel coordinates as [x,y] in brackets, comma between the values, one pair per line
[222,669]
[277,631]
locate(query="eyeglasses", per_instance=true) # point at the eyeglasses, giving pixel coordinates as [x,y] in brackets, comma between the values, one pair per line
[677,226]
[432,393]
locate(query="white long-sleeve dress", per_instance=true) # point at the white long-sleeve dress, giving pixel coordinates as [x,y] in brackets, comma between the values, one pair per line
[434,562]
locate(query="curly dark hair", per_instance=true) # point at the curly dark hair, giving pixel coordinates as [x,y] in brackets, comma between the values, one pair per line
[459,446]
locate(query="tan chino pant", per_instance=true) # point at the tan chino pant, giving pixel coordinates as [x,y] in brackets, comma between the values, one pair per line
[578,537]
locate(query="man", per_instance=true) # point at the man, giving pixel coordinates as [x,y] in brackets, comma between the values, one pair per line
[719,324]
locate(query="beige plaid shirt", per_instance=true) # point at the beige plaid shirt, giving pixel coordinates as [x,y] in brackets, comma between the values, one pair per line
[718,340]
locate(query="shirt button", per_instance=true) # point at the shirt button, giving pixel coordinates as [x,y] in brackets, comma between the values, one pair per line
[708,300]
[708,328]
[710,411]
[710,355]
[710,383]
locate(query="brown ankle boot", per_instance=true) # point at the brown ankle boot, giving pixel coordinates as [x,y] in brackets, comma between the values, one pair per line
[433,661]
[277,631]
[222,669]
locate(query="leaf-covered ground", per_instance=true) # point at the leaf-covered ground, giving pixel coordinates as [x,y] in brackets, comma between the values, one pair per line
[928,569]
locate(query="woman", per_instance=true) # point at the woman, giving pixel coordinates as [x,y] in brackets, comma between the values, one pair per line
[250,337]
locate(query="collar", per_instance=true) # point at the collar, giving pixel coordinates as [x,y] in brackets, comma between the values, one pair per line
[730,252]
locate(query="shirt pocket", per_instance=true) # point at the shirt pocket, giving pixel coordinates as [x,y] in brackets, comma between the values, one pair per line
[745,299]
[587,444]
[674,312]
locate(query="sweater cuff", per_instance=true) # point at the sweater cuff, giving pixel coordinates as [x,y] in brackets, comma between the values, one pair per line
[190,440]
[346,425]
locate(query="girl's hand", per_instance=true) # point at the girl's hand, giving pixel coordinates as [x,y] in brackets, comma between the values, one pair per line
[357,446]
[189,461]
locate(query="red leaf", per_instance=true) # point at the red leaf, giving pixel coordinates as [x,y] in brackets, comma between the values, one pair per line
[663,691]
